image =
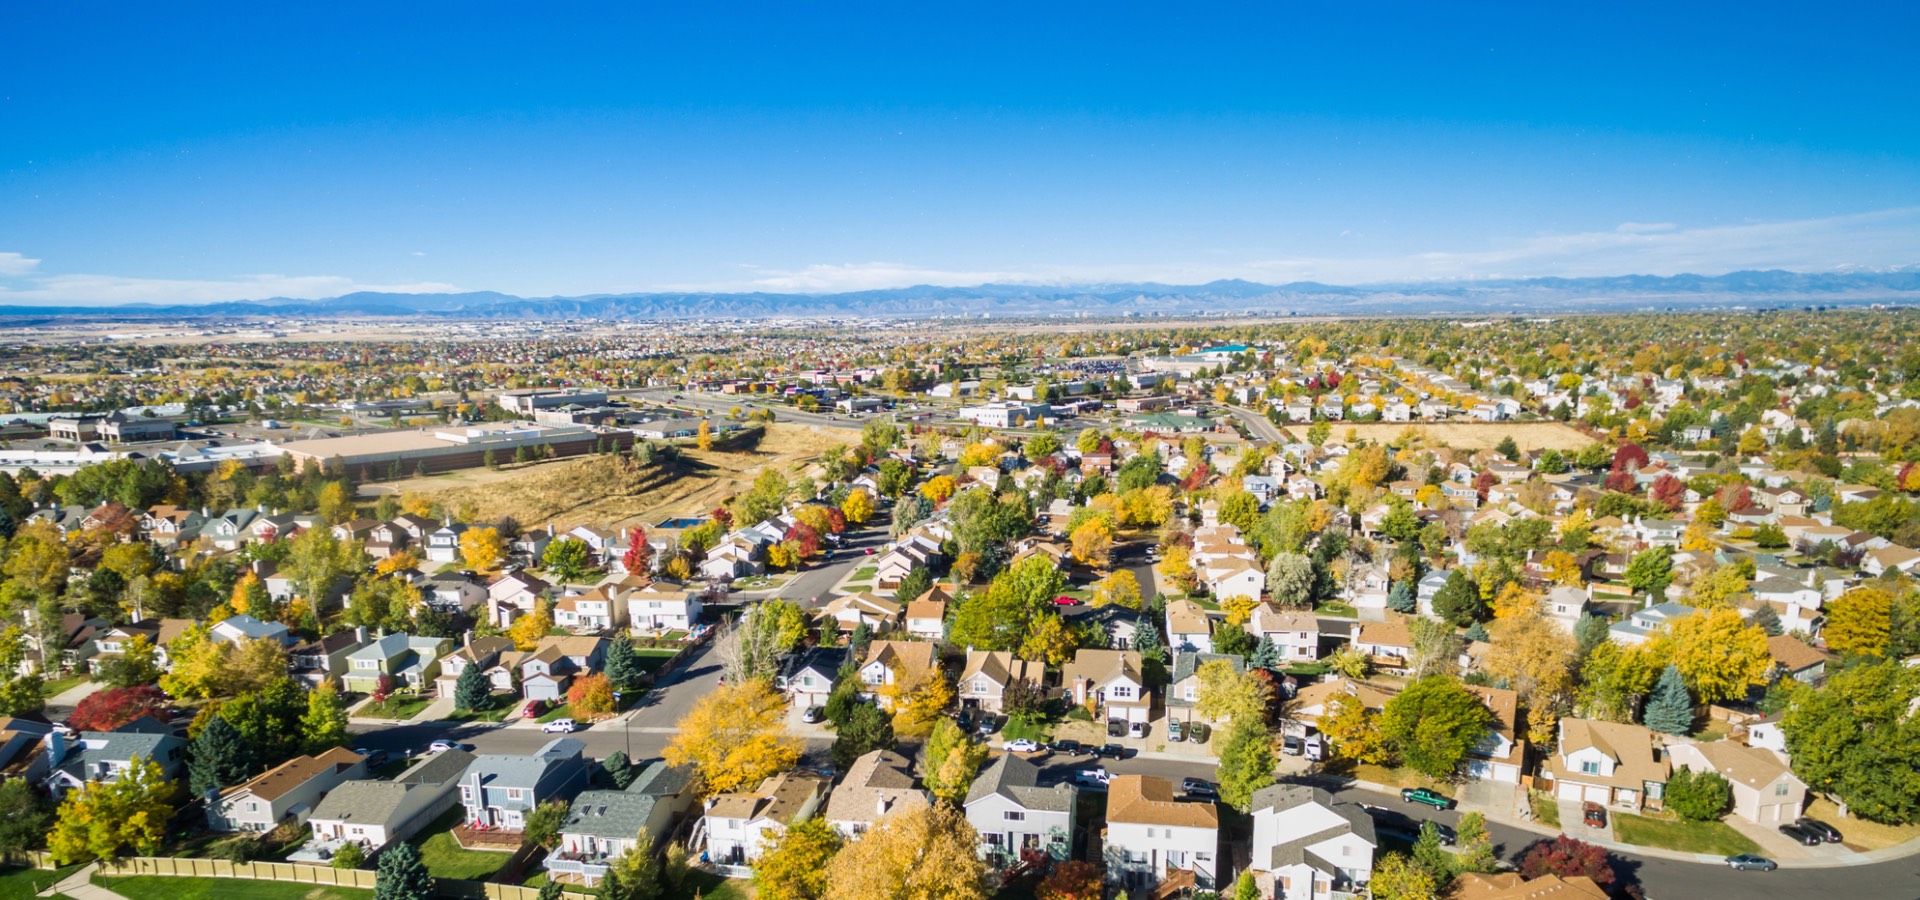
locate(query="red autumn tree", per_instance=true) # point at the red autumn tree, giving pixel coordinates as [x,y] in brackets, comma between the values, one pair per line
[723,516]
[1072,880]
[639,557]
[1629,458]
[114,707]
[808,539]
[836,520]
[1566,857]
[1484,482]
[1670,492]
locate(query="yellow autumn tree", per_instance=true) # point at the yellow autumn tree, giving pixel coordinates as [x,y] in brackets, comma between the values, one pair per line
[1119,587]
[1238,609]
[399,562]
[1719,654]
[703,439]
[735,737]
[918,697]
[1093,542]
[526,631]
[1562,569]
[938,488]
[926,853]
[1514,600]
[858,507]
[483,548]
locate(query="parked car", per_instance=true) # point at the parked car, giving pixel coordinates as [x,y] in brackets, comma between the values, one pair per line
[1826,832]
[1752,861]
[1199,788]
[375,758]
[1175,731]
[1116,728]
[1136,729]
[1197,732]
[813,714]
[1064,600]
[444,746]
[1292,746]
[1316,747]
[1067,748]
[558,726]
[1800,835]
[1427,797]
[1097,773]
[1023,745]
[989,725]
[1109,751]
[1593,814]
[533,709]
[1399,824]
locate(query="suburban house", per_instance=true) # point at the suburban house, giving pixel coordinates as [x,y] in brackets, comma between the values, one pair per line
[1306,846]
[663,606]
[499,789]
[1234,577]
[604,825]
[105,755]
[808,677]
[1110,682]
[376,813]
[406,660]
[1765,790]
[1608,763]
[879,783]
[452,592]
[589,612]
[1183,686]
[891,662]
[242,628]
[1794,658]
[1014,815]
[850,611]
[546,673]
[1510,886]
[485,652]
[1189,628]
[513,595]
[288,791]
[1295,632]
[989,672]
[927,615]
[1118,623]
[325,659]
[739,825]
[1501,753]
[1645,621]
[1388,643]
[443,543]
[1156,840]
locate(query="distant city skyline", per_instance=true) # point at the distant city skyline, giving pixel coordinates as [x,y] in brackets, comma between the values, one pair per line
[185,155]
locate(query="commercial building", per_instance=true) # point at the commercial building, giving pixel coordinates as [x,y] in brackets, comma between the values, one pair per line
[111,428]
[392,453]
[526,402]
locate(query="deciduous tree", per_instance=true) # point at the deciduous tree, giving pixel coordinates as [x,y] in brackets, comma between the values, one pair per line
[483,549]
[1433,723]
[1246,762]
[735,737]
[928,853]
[1860,622]
[1719,653]
[795,866]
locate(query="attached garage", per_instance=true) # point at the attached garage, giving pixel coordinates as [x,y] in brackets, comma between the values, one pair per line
[1568,790]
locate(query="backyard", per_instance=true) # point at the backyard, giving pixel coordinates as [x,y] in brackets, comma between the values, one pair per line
[445,858]
[162,887]
[19,884]
[1717,838]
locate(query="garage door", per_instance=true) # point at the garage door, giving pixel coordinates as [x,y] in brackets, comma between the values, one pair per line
[1568,791]
[1597,794]
[1479,769]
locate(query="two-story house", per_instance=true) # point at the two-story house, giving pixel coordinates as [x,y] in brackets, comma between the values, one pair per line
[1189,628]
[499,789]
[1110,682]
[589,612]
[106,755]
[1295,633]
[547,672]
[850,611]
[485,652]
[452,592]
[604,825]
[984,682]
[877,785]
[513,595]
[889,663]
[325,659]
[1183,686]
[663,606]
[1765,791]
[808,676]
[1014,815]
[1609,763]
[1501,752]
[443,543]
[1641,625]
[1307,846]
[1154,838]
[407,661]
[739,826]
[927,615]
[242,628]
[287,792]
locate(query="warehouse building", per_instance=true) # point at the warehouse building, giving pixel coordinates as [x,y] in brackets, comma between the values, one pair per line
[389,454]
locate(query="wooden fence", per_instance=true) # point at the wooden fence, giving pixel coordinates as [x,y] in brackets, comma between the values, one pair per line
[303,873]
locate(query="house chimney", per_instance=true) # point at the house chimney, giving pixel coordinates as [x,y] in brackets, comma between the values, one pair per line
[56,747]
[360,634]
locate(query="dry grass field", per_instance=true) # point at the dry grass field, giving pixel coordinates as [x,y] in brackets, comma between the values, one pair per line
[1464,435]
[608,492]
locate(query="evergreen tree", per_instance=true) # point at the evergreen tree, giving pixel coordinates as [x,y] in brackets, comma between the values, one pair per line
[1266,655]
[1402,599]
[867,728]
[634,876]
[1459,601]
[622,664]
[1478,632]
[1670,708]
[552,890]
[1431,855]
[619,769]
[471,691]
[1768,620]
[220,758]
[1508,448]
[401,875]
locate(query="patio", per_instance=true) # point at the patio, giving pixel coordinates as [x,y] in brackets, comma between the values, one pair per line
[495,839]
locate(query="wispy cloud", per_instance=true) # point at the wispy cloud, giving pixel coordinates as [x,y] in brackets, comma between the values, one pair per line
[112,289]
[14,264]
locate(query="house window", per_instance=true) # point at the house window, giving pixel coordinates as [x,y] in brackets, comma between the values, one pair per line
[1121,692]
[1780,790]
[1014,815]
[1589,767]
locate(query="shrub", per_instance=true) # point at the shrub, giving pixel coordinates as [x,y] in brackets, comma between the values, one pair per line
[1699,796]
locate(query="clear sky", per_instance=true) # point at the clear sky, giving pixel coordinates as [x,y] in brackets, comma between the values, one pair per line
[186,152]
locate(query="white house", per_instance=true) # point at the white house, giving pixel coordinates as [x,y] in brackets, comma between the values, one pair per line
[1013,814]
[663,606]
[1189,628]
[740,825]
[1296,633]
[1305,846]
[288,791]
[1153,837]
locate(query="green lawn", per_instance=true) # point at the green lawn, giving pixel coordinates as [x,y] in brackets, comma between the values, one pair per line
[57,686]
[20,884]
[1336,608]
[865,573]
[163,887]
[447,859]
[396,707]
[1717,838]
[709,886]
[502,706]
[563,711]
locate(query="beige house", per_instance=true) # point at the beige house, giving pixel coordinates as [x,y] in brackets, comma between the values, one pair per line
[850,611]
[891,662]
[1765,791]
[1510,886]
[877,784]
[1608,763]
[989,672]
[1111,681]
[927,615]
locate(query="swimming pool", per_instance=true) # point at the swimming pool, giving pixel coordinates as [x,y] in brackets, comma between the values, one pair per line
[680,522]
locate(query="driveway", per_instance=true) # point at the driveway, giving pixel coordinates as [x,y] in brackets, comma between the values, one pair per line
[1571,823]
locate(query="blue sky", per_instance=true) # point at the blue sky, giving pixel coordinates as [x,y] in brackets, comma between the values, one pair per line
[188,153]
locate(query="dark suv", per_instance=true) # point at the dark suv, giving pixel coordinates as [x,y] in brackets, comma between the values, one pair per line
[1109,751]
[1821,829]
[1067,748]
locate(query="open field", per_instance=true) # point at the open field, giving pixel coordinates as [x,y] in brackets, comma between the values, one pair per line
[1463,435]
[607,492]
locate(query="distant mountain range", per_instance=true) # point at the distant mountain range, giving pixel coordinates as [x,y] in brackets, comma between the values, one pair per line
[1771,288]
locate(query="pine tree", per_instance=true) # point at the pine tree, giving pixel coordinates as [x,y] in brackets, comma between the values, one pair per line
[1768,620]
[619,769]
[471,691]
[220,758]
[1478,632]
[401,875]
[1402,599]
[1266,655]
[1670,708]
[324,725]
[551,890]
[622,665]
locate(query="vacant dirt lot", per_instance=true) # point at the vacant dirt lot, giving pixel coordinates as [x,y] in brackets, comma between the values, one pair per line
[1465,435]
[606,492]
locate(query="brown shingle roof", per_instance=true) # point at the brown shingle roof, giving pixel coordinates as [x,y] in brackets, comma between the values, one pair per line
[274,782]
[1148,800]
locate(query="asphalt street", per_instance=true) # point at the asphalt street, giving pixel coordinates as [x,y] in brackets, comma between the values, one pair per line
[1258,425]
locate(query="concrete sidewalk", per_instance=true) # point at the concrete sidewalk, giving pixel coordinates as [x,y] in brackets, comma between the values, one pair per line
[80,886]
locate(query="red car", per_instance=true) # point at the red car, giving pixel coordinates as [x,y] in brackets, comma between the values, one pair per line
[533,709]
[1065,600]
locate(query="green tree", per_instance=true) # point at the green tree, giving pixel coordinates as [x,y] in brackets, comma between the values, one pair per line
[952,760]
[543,823]
[1459,601]
[635,875]
[100,819]
[1290,580]
[218,758]
[1430,854]
[620,770]
[472,691]
[568,559]
[24,816]
[1650,571]
[137,663]
[1002,616]
[1854,739]
[1699,796]
[1246,763]
[1433,723]
[324,725]
[1395,877]
[1670,708]
[867,728]
[622,665]
[402,875]
[1475,852]
[350,856]
[795,865]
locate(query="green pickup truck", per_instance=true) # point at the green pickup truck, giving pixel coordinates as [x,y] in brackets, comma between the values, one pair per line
[1422,795]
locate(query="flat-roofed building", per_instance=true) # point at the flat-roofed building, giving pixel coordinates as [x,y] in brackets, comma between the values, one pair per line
[381,454]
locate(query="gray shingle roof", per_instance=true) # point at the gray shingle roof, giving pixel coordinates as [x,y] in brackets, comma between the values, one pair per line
[609,814]
[1282,797]
[1019,780]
